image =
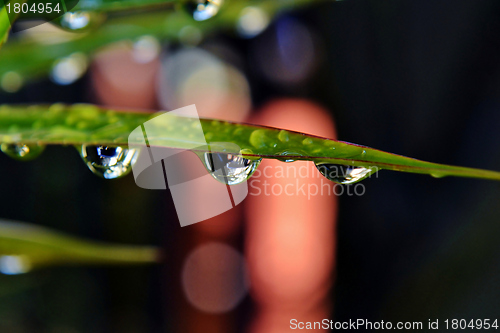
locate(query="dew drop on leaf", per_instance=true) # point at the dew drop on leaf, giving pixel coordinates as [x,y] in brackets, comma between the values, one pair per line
[203,9]
[79,21]
[228,168]
[109,162]
[344,174]
[287,160]
[438,174]
[22,152]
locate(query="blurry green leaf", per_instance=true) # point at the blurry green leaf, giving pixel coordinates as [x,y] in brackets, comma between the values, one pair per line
[24,247]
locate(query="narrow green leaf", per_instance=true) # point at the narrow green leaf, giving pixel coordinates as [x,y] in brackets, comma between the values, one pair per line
[24,247]
[88,124]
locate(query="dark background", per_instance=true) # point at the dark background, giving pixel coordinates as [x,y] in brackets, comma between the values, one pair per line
[420,79]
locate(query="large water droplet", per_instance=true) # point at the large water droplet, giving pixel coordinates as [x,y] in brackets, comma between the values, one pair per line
[109,162]
[22,152]
[229,169]
[203,9]
[344,174]
[79,21]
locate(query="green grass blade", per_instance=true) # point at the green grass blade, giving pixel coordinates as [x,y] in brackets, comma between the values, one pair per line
[32,247]
[88,124]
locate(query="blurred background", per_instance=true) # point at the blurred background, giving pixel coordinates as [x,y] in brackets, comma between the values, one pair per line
[421,79]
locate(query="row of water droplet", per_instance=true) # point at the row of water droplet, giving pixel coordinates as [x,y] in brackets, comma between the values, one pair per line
[112,162]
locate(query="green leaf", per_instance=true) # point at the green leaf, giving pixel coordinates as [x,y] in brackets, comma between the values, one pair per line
[24,247]
[88,124]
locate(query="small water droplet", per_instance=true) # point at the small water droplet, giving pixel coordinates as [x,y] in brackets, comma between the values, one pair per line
[283,136]
[229,169]
[330,143]
[438,175]
[14,264]
[22,152]
[11,82]
[344,174]
[69,69]
[259,139]
[109,162]
[307,141]
[285,156]
[203,9]
[79,21]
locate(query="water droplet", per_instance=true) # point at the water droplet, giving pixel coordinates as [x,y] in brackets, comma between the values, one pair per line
[69,69]
[307,141]
[438,174]
[11,82]
[330,143]
[344,174]
[203,9]
[14,264]
[79,21]
[258,138]
[283,136]
[22,152]
[285,156]
[229,169]
[109,162]
[252,21]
